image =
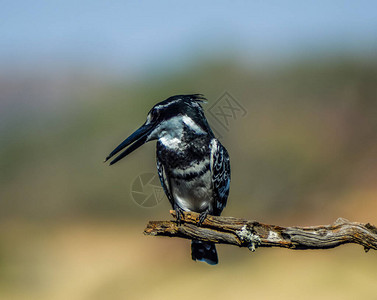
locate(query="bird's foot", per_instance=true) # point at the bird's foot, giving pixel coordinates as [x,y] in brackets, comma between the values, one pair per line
[202,217]
[179,214]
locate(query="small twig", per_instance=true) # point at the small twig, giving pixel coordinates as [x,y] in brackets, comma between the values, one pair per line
[252,234]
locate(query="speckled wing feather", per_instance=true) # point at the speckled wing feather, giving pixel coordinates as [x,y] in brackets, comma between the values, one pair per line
[220,176]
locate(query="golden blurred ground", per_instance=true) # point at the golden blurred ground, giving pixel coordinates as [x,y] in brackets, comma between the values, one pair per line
[103,260]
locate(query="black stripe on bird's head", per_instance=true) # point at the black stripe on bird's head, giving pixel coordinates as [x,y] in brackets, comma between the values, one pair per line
[166,120]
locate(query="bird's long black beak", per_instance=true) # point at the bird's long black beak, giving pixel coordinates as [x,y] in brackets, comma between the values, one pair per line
[138,138]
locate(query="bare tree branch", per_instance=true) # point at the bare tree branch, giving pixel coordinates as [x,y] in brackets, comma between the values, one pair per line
[252,234]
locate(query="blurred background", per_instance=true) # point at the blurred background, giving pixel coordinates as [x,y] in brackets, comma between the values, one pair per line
[76,78]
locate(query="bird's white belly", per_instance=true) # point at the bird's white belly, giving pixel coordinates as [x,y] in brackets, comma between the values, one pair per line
[195,194]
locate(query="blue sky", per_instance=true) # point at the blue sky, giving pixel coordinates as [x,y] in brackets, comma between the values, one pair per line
[139,34]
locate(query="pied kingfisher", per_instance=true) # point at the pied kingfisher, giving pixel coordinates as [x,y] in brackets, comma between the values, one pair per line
[192,165]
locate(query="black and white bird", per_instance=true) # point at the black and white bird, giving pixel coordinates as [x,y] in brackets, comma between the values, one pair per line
[192,165]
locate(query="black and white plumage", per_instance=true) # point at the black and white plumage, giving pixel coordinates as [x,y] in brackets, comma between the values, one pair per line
[192,165]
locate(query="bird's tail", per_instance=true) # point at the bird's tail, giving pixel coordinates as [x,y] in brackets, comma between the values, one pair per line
[204,251]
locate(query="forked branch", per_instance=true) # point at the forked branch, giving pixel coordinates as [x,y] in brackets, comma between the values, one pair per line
[252,234]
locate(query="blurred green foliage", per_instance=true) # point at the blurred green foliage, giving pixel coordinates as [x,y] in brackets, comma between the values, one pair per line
[309,136]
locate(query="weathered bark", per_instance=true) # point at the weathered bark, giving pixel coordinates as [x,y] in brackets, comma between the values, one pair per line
[252,234]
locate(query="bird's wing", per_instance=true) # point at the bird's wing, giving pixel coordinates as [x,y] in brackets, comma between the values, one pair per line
[220,168]
[164,181]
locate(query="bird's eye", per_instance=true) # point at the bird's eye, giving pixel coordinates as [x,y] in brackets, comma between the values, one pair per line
[155,114]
